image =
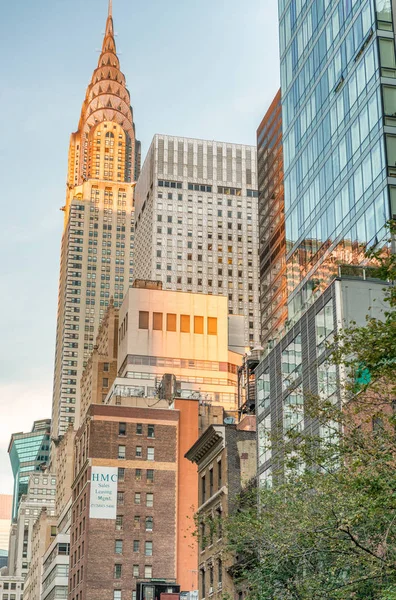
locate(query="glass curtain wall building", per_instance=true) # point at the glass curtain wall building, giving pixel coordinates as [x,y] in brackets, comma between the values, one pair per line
[271,206]
[28,452]
[338,81]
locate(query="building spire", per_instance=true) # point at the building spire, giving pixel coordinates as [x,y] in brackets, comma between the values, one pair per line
[110,8]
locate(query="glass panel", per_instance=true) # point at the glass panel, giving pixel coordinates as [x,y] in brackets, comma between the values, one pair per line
[324,327]
[263,392]
[293,411]
[291,362]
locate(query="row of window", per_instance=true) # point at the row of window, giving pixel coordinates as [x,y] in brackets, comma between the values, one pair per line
[228,191]
[148,574]
[138,497]
[122,430]
[138,452]
[138,477]
[171,323]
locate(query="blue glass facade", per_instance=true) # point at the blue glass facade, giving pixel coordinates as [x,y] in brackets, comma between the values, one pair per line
[28,452]
[338,81]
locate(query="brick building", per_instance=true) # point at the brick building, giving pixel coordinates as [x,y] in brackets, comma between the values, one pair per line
[226,459]
[150,535]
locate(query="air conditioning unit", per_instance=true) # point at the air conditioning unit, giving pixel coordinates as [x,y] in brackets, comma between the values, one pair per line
[210,590]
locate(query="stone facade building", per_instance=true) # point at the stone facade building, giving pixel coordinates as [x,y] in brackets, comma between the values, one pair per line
[44,531]
[97,242]
[101,368]
[196,222]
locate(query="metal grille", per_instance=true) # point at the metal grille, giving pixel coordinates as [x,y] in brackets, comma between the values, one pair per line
[190,160]
[160,156]
[180,158]
[200,161]
[229,165]
[210,162]
[219,164]
[171,157]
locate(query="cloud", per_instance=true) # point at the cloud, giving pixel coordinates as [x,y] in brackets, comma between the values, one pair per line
[20,404]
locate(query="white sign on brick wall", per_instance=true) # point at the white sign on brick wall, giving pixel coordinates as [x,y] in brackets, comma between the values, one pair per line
[103,503]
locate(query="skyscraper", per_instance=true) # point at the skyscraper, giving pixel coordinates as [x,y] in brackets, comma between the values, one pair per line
[97,242]
[338,81]
[271,214]
[196,222]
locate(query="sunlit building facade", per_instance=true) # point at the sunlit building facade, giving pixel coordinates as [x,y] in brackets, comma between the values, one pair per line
[196,222]
[271,215]
[97,242]
[338,81]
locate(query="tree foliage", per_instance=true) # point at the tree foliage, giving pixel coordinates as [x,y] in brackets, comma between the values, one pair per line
[327,528]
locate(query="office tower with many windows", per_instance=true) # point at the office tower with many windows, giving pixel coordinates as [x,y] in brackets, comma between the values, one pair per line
[97,242]
[338,81]
[271,211]
[196,222]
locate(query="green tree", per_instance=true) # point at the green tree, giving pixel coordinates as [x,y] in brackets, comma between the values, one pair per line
[327,528]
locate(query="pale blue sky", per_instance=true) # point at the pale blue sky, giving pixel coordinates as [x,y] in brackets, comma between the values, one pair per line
[197,68]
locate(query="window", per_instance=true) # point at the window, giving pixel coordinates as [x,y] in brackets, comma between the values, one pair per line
[150,500]
[138,453]
[263,391]
[198,325]
[219,522]
[212,326]
[150,475]
[324,324]
[148,572]
[170,322]
[293,411]
[139,428]
[105,382]
[150,453]
[106,367]
[150,431]
[136,545]
[135,570]
[136,522]
[117,595]
[118,547]
[203,489]
[117,571]
[219,475]
[148,549]
[121,474]
[203,583]
[121,452]
[377,423]
[157,321]
[143,319]
[120,498]
[138,474]
[185,323]
[210,482]
[149,523]
[291,362]
[122,429]
[137,497]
